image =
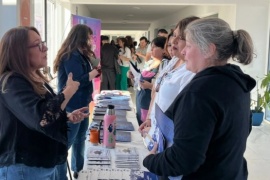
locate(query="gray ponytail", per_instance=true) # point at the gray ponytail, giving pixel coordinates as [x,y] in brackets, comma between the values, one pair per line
[236,44]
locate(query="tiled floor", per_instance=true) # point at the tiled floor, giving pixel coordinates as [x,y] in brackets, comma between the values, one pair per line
[258,152]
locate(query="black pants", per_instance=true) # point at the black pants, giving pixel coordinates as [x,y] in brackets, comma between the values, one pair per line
[108,79]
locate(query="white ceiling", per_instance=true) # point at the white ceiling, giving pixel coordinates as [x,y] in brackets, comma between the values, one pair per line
[130,17]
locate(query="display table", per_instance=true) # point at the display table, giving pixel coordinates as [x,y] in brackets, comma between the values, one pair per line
[94,172]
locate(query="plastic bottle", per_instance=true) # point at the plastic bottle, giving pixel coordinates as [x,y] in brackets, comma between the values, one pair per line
[109,127]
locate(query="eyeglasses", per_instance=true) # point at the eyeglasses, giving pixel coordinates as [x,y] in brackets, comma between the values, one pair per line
[160,81]
[42,46]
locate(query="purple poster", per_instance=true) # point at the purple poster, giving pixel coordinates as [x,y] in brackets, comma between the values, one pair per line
[95,25]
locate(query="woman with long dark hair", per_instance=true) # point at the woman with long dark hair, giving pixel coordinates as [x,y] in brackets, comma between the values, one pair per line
[76,56]
[33,133]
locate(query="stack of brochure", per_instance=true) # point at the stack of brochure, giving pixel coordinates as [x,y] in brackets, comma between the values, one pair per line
[98,156]
[116,174]
[127,158]
[121,136]
[105,174]
[120,101]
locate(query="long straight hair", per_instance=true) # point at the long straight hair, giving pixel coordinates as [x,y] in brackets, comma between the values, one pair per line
[14,57]
[77,39]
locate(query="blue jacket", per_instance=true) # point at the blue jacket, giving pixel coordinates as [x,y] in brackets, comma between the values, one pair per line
[80,66]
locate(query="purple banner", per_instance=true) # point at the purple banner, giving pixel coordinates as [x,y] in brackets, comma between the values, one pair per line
[95,25]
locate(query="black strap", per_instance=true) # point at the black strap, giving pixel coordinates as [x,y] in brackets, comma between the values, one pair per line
[69,172]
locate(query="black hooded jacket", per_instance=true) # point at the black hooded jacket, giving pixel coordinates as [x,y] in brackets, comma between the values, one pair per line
[212,122]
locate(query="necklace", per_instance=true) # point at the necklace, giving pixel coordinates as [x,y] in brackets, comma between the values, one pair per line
[170,70]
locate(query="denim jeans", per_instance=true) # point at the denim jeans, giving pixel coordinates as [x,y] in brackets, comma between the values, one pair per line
[76,140]
[23,172]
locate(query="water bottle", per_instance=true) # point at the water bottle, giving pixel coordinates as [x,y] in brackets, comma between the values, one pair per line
[109,127]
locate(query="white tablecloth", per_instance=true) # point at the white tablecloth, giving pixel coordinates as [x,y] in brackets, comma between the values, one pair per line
[136,141]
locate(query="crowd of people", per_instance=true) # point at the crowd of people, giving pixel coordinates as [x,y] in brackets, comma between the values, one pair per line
[186,97]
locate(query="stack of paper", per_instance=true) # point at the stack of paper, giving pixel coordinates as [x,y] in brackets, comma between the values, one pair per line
[102,111]
[121,136]
[98,156]
[127,158]
[111,93]
[120,106]
[120,125]
[101,117]
[119,100]
[116,174]
[105,174]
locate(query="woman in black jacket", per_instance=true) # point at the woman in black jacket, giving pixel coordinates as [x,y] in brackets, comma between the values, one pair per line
[33,131]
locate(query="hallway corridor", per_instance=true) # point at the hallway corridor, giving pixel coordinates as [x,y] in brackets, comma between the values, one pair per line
[258,152]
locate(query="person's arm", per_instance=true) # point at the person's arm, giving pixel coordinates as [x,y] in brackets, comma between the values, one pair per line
[146,85]
[193,128]
[130,75]
[141,55]
[74,65]
[93,74]
[127,56]
[147,122]
[123,58]
[37,113]
[69,90]
[78,115]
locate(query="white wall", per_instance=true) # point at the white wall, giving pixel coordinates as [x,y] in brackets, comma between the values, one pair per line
[80,10]
[225,12]
[254,19]
[10,21]
[252,16]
